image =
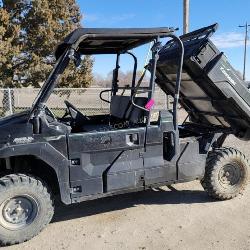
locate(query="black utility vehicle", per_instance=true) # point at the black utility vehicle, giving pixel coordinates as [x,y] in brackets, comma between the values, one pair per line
[80,157]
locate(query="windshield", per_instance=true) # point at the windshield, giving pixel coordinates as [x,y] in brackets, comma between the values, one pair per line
[44,86]
[51,82]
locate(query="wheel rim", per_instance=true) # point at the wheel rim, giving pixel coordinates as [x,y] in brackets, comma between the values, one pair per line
[18,212]
[230,175]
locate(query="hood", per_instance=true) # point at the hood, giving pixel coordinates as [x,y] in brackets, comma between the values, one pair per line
[14,126]
[18,118]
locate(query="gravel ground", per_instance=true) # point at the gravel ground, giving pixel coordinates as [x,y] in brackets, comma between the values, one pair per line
[180,218]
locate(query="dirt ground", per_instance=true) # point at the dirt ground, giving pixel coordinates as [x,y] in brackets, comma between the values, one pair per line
[180,218]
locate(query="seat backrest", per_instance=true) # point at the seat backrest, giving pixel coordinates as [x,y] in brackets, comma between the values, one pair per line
[119,106]
[122,108]
[134,114]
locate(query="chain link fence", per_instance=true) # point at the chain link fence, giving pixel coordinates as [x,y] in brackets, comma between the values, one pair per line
[86,100]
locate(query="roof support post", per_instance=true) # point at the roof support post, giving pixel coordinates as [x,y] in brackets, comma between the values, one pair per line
[155,56]
[134,72]
[115,79]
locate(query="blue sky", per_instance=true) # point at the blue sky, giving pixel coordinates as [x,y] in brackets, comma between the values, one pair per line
[151,13]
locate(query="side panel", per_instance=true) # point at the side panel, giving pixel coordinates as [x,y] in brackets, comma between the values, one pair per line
[191,163]
[47,153]
[107,161]
[157,168]
[162,166]
[127,171]
[159,164]
[193,155]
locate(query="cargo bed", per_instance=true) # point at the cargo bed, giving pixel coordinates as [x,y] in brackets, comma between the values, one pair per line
[211,91]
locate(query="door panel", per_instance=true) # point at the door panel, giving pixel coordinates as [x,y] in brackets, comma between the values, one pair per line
[127,171]
[105,159]
[157,169]
[104,141]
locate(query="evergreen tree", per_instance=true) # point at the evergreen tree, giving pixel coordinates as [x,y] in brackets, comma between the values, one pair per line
[39,26]
[9,47]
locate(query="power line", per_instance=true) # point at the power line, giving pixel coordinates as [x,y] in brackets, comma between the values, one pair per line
[245,48]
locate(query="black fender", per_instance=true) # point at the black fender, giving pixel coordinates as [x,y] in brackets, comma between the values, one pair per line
[47,153]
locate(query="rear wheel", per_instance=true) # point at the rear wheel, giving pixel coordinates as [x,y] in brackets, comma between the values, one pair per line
[26,208]
[226,173]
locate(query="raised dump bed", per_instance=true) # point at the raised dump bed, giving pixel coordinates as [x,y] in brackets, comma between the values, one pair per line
[212,92]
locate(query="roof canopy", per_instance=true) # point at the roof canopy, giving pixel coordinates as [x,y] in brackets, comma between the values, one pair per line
[110,41]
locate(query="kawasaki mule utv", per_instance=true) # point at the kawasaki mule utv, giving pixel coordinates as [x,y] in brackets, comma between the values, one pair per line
[80,157]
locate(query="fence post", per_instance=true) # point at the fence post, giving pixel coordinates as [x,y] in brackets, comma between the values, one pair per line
[101,104]
[10,101]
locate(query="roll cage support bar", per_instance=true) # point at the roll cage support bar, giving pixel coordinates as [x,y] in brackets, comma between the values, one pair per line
[155,56]
[177,92]
[115,79]
[155,51]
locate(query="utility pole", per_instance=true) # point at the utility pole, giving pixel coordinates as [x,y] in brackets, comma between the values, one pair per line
[245,49]
[185,16]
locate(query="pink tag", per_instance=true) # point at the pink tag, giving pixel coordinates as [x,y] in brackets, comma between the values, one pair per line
[150,104]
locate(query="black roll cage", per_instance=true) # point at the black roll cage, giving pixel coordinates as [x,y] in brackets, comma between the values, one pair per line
[66,55]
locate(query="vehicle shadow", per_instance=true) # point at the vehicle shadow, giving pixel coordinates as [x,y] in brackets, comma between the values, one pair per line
[119,202]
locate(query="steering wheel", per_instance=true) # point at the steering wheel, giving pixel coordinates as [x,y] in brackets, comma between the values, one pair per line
[75,113]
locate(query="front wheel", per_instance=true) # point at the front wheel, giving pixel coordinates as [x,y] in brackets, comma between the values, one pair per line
[226,173]
[26,208]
